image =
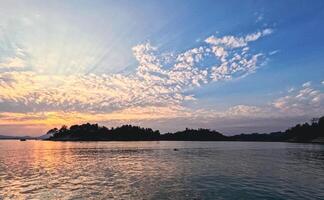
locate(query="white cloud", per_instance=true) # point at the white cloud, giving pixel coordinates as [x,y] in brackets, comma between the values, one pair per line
[161,82]
[237,42]
[307,84]
[15,58]
[12,62]
[306,100]
[267,31]
[291,89]
[273,52]
[235,61]
[243,110]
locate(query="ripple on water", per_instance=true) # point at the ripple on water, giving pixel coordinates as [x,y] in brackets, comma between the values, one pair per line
[153,170]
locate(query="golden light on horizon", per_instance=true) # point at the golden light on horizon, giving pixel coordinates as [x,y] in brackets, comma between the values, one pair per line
[48,120]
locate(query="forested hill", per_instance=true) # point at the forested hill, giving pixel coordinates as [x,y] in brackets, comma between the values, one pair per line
[306,132]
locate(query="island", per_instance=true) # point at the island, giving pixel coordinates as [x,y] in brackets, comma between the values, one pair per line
[306,132]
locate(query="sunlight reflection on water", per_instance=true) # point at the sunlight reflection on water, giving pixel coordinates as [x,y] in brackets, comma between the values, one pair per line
[153,170]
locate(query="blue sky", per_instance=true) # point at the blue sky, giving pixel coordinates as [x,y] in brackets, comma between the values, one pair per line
[65,62]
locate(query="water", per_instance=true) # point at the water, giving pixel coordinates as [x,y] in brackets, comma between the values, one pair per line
[153,170]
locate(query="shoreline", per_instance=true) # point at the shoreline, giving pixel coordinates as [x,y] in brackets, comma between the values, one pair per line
[51,140]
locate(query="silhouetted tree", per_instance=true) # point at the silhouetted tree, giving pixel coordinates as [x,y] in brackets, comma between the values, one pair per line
[299,133]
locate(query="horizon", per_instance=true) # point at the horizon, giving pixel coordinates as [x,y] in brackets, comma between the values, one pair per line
[168,65]
[114,127]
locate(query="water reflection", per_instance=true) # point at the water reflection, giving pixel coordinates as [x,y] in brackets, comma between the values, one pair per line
[150,170]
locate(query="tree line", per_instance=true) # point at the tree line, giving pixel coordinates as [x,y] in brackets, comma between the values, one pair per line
[93,132]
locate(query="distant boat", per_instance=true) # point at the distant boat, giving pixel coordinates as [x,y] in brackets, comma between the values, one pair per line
[22,139]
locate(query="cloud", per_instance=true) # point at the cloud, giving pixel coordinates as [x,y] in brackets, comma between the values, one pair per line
[92,92]
[15,62]
[243,110]
[304,101]
[235,61]
[307,84]
[291,89]
[296,105]
[155,93]
[259,16]
[274,52]
[61,117]
[12,55]
[237,42]
[160,80]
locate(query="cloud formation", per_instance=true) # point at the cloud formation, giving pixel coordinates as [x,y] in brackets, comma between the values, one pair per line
[160,79]
[156,92]
[305,101]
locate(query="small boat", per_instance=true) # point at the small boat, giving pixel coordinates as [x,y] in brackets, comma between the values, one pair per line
[22,139]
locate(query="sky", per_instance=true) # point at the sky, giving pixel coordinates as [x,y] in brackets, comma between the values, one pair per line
[231,66]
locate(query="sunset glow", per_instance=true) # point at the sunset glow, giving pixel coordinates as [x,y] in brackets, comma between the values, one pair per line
[115,63]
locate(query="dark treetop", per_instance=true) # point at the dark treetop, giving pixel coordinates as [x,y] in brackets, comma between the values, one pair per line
[313,132]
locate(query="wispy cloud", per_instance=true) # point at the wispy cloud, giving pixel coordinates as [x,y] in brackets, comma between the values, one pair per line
[14,62]
[307,84]
[304,101]
[259,16]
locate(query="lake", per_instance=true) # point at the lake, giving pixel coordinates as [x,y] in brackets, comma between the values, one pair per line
[155,170]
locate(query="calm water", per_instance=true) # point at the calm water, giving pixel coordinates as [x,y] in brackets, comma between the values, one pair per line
[153,170]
